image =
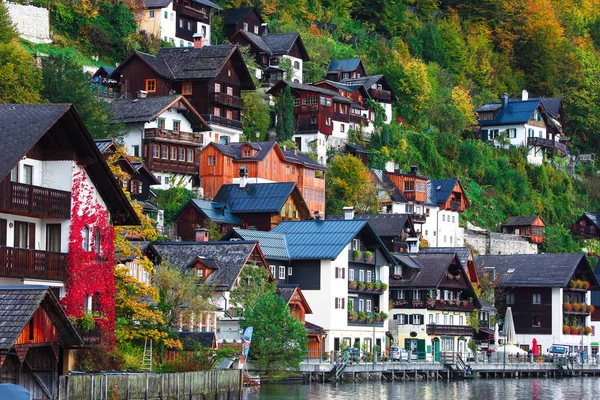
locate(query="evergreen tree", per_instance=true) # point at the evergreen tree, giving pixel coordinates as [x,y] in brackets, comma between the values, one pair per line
[7,29]
[285,115]
[20,80]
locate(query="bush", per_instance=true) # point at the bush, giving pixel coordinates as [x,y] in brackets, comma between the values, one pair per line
[99,358]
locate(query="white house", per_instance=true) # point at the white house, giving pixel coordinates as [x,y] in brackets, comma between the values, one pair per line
[532,123]
[166,131]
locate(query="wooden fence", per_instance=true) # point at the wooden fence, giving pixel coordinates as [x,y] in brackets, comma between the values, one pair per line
[215,384]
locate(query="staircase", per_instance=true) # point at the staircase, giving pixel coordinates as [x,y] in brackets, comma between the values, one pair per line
[338,369]
[454,363]
[147,358]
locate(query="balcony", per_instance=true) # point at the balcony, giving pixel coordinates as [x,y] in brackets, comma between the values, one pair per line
[35,201]
[32,264]
[306,127]
[175,166]
[376,288]
[432,304]
[341,117]
[191,9]
[217,120]
[418,218]
[228,100]
[92,336]
[366,319]
[547,143]
[385,95]
[167,134]
[363,257]
[455,205]
[449,330]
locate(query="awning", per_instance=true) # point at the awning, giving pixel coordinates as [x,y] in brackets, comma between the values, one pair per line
[594,343]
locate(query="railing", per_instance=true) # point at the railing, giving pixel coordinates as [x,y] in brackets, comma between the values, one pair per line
[228,100]
[455,205]
[175,166]
[91,336]
[450,330]
[215,119]
[189,10]
[154,133]
[448,305]
[337,116]
[306,127]
[38,201]
[361,257]
[549,143]
[32,264]
[418,218]
[381,94]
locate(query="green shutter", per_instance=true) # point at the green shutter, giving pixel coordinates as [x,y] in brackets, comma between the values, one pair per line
[484,135]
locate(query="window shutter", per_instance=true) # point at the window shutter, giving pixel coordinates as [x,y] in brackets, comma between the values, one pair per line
[410,319]
[343,273]
[2,232]
[32,236]
[336,272]
[17,226]
[343,303]
[336,303]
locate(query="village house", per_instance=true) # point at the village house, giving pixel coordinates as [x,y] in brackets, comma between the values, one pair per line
[177,21]
[531,227]
[431,297]
[219,264]
[244,18]
[266,162]
[258,206]
[58,202]
[342,266]
[549,294]
[465,256]
[35,340]
[167,133]
[535,123]
[210,77]
[588,225]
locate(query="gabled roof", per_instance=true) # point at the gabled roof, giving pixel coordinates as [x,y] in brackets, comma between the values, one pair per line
[286,292]
[535,270]
[157,3]
[294,156]
[214,211]
[17,306]
[255,198]
[142,169]
[22,126]
[107,70]
[109,147]
[313,329]
[462,253]
[443,188]
[432,269]
[230,257]
[384,183]
[384,225]
[233,15]
[515,112]
[149,108]
[207,3]
[367,82]
[310,88]
[272,244]
[593,217]
[348,65]
[274,44]
[552,105]
[521,221]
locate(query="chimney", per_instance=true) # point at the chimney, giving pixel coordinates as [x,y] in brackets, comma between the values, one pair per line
[349,212]
[524,95]
[397,171]
[504,100]
[141,94]
[243,177]
[414,169]
[198,40]
[317,216]
[201,235]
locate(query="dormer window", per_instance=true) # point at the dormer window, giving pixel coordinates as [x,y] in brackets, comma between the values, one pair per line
[247,153]
[245,25]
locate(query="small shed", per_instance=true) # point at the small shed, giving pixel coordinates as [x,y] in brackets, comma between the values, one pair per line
[532,227]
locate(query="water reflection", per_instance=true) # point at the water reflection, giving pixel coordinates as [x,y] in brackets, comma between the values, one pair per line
[479,389]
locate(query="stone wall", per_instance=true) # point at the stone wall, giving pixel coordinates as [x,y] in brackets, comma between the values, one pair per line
[491,243]
[32,23]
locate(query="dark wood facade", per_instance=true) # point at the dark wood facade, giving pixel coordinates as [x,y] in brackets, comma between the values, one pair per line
[587,225]
[534,230]
[529,318]
[249,21]
[457,201]
[337,76]
[191,219]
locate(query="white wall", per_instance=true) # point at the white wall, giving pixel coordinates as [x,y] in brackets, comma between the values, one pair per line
[32,23]
[172,179]
[134,137]
[296,72]
[168,25]
[441,229]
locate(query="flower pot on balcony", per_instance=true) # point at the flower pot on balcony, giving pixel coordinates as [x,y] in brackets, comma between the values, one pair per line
[356,254]
[568,306]
[572,283]
[588,330]
[370,285]
[566,329]
[368,256]
[377,286]
[362,285]
[591,308]
[352,284]
[577,307]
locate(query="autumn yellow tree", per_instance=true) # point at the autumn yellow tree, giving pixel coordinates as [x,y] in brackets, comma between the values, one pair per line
[349,184]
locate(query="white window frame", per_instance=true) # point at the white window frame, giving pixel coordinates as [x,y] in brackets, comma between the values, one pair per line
[416,294]
[289,271]
[281,272]
[361,275]
[369,305]
[361,305]
[398,270]
[402,294]
[355,244]
[417,319]
[272,268]
[350,274]
[369,276]
[538,297]
[510,298]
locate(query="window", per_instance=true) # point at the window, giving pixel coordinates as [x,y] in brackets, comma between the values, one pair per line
[190,155]
[181,151]
[445,320]
[361,275]
[290,211]
[181,26]
[401,318]
[530,132]
[398,270]
[416,294]
[281,272]
[85,236]
[166,15]
[453,219]
[510,298]
[245,26]
[342,127]
[217,88]
[229,90]
[229,114]
[186,88]
[176,125]
[313,120]
[512,133]
[537,298]
[150,85]
[173,153]
[417,319]
[3,231]
[274,166]
[136,150]
[437,319]
[328,121]
[14,174]
[296,65]
[164,152]
[368,305]
[212,160]
[350,274]
[136,187]
[339,302]
[28,174]
[536,321]
[361,305]
[217,111]
[461,320]
[297,102]
[247,153]
[98,240]
[431,318]
[256,29]
[355,244]
[53,237]
[161,123]
[443,218]
[166,180]
[369,276]
[150,13]
[272,268]
[289,271]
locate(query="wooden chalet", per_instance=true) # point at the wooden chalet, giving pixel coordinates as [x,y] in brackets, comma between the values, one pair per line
[377,87]
[193,18]
[35,335]
[345,69]
[266,162]
[588,225]
[292,294]
[213,86]
[449,194]
[197,214]
[412,185]
[532,227]
[245,19]
[465,255]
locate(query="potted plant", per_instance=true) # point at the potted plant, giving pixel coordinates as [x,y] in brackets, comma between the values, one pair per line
[591,309]
[384,287]
[587,285]
[397,277]
[577,307]
[579,283]
[362,285]
[588,330]
[352,315]
[370,285]
[368,256]
[417,303]
[572,283]
[352,284]
[430,302]
[383,315]
[370,318]
[377,286]
[566,329]
[568,306]
[362,316]
[356,255]
[465,303]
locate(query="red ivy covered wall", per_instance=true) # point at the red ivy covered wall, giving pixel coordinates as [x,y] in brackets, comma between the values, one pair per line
[90,273]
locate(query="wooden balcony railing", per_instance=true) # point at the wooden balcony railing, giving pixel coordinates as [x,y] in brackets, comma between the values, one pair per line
[449,330]
[191,9]
[306,127]
[548,143]
[156,133]
[217,120]
[341,117]
[418,218]
[381,94]
[455,205]
[37,201]
[32,264]
[92,336]
[228,100]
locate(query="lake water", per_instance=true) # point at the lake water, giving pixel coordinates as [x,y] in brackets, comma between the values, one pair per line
[476,389]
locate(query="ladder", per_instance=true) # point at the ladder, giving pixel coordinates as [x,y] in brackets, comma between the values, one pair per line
[147,358]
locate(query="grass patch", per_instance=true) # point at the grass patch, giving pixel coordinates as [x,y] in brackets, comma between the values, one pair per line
[55,49]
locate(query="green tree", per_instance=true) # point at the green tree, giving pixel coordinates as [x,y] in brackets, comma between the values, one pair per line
[65,82]
[7,29]
[279,340]
[256,116]
[171,200]
[284,110]
[454,48]
[348,184]
[254,282]
[20,81]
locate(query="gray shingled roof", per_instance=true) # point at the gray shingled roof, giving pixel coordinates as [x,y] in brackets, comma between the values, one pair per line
[594,218]
[301,86]
[533,270]
[296,157]
[213,211]
[383,224]
[191,63]
[272,244]
[462,253]
[17,306]
[343,65]
[208,3]
[286,291]
[157,3]
[520,221]
[280,43]
[229,256]
[432,270]
[233,15]
[140,110]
